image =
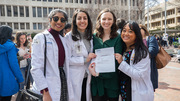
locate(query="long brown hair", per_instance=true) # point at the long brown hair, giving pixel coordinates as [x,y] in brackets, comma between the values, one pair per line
[99,30]
[18,34]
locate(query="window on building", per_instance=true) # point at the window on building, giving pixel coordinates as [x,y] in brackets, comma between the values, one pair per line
[66,1]
[55,0]
[71,1]
[16,26]
[121,2]
[2,23]
[99,1]
[71,12]
[179,20]
[22,26]
[137,2]
[95,1]
[2,11]
[60,0]
[81,1]
[44,12]
[27,11]
[90,1]
[125,2]
[50,9]
[15,11]
[113,2]
[38,0]
[49,0]
[9,24]
[108,2]
[76,1]
[85,1]
[39,25]
[39,12]
[104,2]
[21,10]
[34,11]
[45,0]
[8,10]
[27,26]
[133,2]
[34,26]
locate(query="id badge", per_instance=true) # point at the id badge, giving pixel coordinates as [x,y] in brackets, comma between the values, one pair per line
[78,48]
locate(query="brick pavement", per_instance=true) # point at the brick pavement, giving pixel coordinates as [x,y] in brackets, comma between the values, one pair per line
[169,83]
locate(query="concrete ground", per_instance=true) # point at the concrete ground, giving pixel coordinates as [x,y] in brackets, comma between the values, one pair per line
[169,83]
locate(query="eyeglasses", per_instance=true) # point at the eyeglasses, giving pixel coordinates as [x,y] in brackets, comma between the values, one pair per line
[56,19]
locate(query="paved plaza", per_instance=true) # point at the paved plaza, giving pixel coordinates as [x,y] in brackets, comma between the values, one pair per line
[169,83]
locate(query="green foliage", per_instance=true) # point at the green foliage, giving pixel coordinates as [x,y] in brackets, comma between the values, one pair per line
[33,34]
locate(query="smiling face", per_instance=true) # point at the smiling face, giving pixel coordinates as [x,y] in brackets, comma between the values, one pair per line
[58,26]
[106,20]
[128,36]
[81,21]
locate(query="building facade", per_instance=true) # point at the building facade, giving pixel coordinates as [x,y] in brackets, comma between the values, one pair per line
[31,15]
[157,16]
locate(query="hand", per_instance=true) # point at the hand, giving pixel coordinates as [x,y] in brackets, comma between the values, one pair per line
[118,57]
[46,96]
[92,69]
[90,56]
[26,56]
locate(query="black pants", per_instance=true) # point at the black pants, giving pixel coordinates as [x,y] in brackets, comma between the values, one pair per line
[7,98]
[104,98]
[83,94]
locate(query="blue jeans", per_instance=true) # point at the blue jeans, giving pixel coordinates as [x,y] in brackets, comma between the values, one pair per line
[23,71]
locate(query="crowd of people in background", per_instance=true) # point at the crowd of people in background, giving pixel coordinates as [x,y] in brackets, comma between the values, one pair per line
[70,75]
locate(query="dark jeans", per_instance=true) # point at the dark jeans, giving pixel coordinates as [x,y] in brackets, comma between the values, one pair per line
[104,98]
[6,98]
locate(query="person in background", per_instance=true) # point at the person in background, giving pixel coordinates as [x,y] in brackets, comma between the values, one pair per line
[29,39]
[10,74]
[23,54]
[120,23]
[56,85]
[80,48]
[136,83]
[105,86]
[67,28]
[153,48]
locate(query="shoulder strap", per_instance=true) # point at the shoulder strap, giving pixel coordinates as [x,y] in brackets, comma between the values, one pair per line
[45,55]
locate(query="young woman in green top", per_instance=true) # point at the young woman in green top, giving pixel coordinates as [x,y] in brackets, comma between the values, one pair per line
[105,86]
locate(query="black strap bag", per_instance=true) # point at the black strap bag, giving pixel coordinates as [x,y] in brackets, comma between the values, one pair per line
[26,94]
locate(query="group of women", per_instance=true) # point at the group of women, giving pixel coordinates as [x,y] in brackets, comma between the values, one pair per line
[70,75]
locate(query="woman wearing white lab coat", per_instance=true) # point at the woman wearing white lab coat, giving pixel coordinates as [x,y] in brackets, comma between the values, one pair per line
[80,49]
[135,63]
[52,86]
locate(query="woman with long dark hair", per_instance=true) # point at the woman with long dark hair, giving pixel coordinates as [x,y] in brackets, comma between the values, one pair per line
[10,74]
[135,81]
[80,48]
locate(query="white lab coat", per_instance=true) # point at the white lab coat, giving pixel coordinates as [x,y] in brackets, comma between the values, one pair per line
[52,79]
[141,85]
[77,68]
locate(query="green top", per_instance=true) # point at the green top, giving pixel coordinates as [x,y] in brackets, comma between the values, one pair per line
[108,81]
